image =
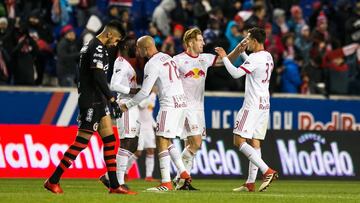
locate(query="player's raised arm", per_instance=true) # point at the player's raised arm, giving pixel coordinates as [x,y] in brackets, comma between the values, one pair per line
[234,72]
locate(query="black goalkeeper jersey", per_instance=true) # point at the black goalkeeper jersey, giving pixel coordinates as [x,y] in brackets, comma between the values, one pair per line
[93,57]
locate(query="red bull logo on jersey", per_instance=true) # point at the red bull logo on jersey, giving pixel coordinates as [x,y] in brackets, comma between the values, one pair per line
[195,73]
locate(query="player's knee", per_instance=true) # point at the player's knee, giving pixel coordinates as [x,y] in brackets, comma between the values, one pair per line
[150,151]
[129,144]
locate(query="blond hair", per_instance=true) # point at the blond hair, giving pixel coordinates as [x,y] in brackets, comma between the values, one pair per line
[190,35]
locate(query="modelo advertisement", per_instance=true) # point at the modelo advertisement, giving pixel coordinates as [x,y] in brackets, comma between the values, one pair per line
[59,107]
[294,154]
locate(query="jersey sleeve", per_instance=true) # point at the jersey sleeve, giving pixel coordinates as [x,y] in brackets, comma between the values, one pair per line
[151,74]
[249,65]
[97,54]
[120,73]
[210,59]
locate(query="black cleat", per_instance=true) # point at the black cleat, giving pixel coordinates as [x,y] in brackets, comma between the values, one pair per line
[187,185]
[104,181]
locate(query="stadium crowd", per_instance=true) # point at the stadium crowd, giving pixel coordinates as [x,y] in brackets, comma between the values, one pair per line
[315,44]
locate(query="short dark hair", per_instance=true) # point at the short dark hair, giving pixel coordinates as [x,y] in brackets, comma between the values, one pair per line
[257,8]
[115,24]
[258,34]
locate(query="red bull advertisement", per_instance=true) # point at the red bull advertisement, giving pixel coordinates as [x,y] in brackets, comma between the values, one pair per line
[195,73]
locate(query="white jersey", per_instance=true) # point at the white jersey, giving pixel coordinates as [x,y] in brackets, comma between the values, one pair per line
[123,78]
[161,70]
[258,67]
[193,72]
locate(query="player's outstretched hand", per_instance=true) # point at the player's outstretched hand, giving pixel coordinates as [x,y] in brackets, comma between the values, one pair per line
[220,51]
[116,111]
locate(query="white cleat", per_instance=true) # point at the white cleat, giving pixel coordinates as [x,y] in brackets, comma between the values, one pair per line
[268,177]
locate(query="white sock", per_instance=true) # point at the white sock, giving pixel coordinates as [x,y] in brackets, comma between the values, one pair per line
[121,163]
[164,160]
[132,159]
[252,155]
[176,158]
[149,165]
[188,158]
[253,169]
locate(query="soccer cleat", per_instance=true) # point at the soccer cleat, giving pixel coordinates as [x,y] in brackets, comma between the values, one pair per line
[184,184]
[268,177]
[54,188]
[187,186]
[162,187]
[104,181]
[122,190]
[246,187]
[151,179]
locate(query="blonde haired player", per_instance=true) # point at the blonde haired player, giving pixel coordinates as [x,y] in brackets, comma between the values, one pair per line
[193,65]
[161,70]
[252,119]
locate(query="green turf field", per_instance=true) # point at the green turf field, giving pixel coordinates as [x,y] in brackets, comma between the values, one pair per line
[219,191]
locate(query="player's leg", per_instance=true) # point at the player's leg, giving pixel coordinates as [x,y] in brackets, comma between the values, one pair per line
[249,185]
[194,133]
[80,143]
[88,121]
[149,146]
[149,164]
[245,125]
[107,135]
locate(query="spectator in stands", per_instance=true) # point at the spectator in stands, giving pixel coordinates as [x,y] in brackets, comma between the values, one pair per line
[211,35]
[352,28]
[234,32]
[296,21]
[92,27]
[303,44]
[6,45]
[155,34]
[161,16]
[84,10]
[291,78]
[24,54]
[173,44]
[201,13]
[289,48]
[42,33]
[279,26]
[68,56]
[257,19]
[125,21]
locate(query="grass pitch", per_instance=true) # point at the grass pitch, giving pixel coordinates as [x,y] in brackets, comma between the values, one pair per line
[219,191]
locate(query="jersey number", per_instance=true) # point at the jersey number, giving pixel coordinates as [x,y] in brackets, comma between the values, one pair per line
[172,68]
[271,67]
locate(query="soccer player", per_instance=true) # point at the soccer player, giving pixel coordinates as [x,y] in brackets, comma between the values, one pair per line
[193,66]
[146,137]
[161,70]
[252,119]
[123,81]
[147,134]
[94,115]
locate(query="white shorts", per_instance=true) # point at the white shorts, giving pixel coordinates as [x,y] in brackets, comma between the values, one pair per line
[170,121]
[128,125]
[146,137]
[200,115]
[251,123]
